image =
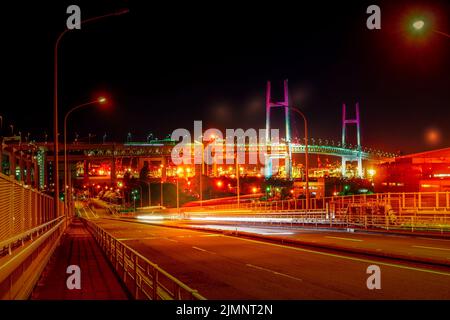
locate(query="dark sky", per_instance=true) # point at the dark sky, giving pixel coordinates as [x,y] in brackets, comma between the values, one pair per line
[166,65]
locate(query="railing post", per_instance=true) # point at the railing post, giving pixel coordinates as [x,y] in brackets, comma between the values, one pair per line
[437,200]
[420,200]
[155,283]
[136,283]
[447,200]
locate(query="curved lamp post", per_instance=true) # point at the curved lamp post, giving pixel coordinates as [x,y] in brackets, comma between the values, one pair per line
[420,24]
[55,99]
[99,100]
[305,122]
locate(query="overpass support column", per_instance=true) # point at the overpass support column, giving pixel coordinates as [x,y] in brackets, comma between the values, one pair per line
[113,171]
[36,174]
[344,167]
[86,172]
[360,168]
[12,163]
[21,166]
[28,174]
[164,168]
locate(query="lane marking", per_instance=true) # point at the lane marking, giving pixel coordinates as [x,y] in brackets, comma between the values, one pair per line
[211,235]
[335,255]
[203,250]
[423,238]
[345,257]
[274,272]
[275,233]
[348,239]
[433,248]
[168,239]
[143,238]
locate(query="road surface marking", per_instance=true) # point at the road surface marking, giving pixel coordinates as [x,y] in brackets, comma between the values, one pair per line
[133,239]
[274,233]
[349,239]
[171,240]
[434,248]
[211,235]
[344,257]
[203,250]
[274,272]
[433,239]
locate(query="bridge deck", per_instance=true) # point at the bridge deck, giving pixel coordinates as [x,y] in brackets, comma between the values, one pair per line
[98,281]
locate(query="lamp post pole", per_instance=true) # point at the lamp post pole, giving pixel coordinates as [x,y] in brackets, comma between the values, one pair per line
[55,102]
[305,122]
[100,100]
[202,172]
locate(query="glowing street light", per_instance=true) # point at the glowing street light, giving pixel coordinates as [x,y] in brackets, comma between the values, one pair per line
[419,24]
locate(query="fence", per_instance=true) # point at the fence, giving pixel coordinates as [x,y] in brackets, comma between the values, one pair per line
[29,233]
[22,208]
[144,279]
[413,211]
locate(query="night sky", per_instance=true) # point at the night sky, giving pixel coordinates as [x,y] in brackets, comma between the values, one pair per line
[165,66]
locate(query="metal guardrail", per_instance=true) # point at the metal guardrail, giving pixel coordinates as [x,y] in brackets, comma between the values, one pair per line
[400,202]
[22,208]
[144,279]
[29,233]
[21,269]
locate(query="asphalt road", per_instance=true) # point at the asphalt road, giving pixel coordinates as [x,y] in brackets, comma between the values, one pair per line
[407,246]
[224,267]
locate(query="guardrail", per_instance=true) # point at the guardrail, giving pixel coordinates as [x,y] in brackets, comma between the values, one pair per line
[400,202]
[29,234]
[20,270]
[22,208]
[144,279]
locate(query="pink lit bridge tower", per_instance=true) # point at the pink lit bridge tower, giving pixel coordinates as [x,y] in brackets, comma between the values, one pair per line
[345,152]
[345,122]
[283,104]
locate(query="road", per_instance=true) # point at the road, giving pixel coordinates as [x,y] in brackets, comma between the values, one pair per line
[225,267]
[407,246]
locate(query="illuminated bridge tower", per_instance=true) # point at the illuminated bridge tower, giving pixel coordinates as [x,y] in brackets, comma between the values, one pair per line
[356,121]
[284,104]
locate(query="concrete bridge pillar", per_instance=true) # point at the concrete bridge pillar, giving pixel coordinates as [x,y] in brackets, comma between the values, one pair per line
[344,167]
[21,166]
[86,171]
[12,163]
[36,174]
[28,174]
[113,171]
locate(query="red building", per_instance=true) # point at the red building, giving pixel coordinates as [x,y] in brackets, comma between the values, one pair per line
[425,171]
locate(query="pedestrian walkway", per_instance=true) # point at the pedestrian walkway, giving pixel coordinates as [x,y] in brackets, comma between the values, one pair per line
[98,281]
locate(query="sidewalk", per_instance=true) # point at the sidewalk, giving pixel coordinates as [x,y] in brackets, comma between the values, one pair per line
[98,281]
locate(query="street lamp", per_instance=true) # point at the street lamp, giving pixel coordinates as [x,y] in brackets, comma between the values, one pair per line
[305,122]
[99,100]
[202,171]
[420,25]
[55,100]
[162,184]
